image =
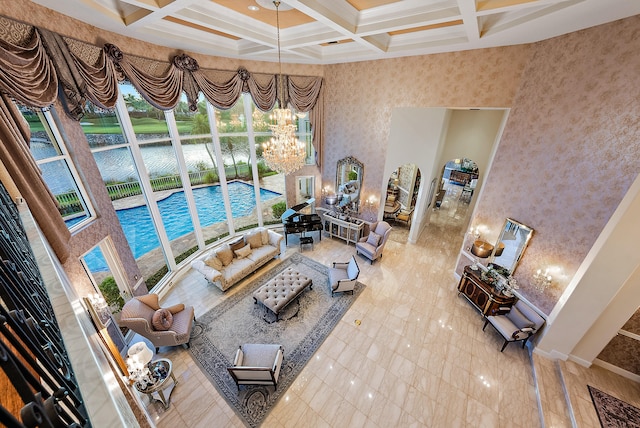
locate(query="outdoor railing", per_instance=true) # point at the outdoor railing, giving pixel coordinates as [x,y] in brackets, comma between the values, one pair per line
[70,203]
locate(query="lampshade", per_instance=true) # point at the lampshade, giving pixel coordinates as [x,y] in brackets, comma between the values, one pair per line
[140,352]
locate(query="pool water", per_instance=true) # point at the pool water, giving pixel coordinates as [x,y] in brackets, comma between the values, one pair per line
[140,231]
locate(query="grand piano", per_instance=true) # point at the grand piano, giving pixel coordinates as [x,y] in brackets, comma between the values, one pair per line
[295,221]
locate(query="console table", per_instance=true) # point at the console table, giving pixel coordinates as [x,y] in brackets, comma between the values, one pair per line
[348,229]
[483,296]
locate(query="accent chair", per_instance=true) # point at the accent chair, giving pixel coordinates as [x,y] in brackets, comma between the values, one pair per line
[343,276]
[517,323]
[371,246]
[162,326]
[257,364]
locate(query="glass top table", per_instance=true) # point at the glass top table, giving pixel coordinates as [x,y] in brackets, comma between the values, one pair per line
[160,372]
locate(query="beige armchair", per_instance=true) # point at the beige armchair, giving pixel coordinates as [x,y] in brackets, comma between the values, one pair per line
[343,276]
[516,324]
[257,364]
[371,246]
[405,216]
[172,325]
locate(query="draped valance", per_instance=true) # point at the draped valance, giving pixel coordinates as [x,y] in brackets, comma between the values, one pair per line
[37,65]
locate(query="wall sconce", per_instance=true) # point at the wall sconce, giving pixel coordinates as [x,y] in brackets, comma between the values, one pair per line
[138,364]
[475,233]
[542,280]
[100,306]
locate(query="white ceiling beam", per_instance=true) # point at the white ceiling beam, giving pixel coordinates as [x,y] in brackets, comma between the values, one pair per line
[526,5]
[411,21]
[159,13]
[470,19]
[522,18]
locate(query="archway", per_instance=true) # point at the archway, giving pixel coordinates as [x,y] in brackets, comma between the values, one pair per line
[401,197]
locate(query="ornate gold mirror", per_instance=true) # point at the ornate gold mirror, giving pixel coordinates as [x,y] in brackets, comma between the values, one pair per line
[349,175]
[512,242]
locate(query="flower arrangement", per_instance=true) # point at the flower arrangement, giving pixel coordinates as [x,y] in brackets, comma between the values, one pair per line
[500,278]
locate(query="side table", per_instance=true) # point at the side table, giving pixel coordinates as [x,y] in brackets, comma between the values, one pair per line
[161,371]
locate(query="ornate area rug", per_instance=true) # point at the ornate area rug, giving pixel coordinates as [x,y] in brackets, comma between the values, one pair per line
[613,412]
[303,326]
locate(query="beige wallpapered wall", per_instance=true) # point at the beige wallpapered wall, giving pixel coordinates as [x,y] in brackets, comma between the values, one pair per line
[566,157]
[569,151]
[361,96]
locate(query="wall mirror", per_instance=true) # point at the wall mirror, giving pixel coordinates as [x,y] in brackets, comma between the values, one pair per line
[512,242]
[349,174]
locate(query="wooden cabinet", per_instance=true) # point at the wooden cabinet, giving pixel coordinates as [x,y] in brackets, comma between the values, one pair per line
[481,295]
[461,177]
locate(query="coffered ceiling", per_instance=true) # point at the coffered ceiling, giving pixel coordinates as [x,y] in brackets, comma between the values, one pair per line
[335,31]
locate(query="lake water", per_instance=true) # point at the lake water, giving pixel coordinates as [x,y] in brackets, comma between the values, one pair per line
[117,164]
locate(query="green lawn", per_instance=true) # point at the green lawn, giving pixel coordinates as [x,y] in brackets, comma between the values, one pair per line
[141,125]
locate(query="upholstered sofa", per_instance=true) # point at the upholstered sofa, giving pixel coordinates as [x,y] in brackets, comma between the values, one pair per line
[228,263]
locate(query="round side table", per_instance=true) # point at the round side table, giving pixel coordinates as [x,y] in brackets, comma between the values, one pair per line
[161,372]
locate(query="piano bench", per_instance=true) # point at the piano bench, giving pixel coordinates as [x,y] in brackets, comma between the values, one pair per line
[306,240]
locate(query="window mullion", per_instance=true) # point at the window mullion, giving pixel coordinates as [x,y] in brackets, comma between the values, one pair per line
[145,182]
[184,176]
[62,146]
[215,138]
[248,102]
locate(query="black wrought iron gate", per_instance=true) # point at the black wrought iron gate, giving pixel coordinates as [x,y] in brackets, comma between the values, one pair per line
[37,383]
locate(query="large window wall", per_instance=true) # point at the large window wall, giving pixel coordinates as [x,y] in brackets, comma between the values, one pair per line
[49,150]
[180,180]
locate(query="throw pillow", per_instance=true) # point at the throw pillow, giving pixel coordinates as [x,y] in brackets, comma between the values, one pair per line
[150,300]
[225,254]
[237,244]
[176,308]
[374,239]
[518,319]
[243,252]
[265,236]
[162,319]
[213,262]
[254,239]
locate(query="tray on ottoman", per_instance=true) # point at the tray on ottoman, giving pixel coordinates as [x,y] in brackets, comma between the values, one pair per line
[282,290]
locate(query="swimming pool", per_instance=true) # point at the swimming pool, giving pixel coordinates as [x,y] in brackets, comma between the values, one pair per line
[140,231]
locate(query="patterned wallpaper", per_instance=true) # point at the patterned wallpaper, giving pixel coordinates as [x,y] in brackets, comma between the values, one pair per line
[569,151]
[360,97]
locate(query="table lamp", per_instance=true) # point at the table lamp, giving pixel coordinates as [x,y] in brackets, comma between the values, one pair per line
[138,364]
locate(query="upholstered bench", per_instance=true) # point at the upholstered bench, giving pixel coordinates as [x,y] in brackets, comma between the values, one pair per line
[281,290]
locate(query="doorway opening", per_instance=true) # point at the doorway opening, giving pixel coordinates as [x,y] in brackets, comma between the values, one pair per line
[452,202]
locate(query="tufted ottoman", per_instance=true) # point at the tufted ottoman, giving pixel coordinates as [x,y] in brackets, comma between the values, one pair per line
[281,290]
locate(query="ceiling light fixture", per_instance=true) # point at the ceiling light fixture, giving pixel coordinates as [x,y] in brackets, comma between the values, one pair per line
[283,153]
[254,8]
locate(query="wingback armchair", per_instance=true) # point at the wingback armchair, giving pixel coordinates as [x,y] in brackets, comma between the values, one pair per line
[515,324]
[371,246]
[162,326]
[343,276]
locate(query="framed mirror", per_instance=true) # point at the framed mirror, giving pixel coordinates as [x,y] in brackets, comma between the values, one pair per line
[349,175]
[512,242]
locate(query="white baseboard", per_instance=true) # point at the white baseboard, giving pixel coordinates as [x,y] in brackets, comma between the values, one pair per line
[617,370]
[553,355]
[580,361]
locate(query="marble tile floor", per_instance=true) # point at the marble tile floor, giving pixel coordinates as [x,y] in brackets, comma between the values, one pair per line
[418,358]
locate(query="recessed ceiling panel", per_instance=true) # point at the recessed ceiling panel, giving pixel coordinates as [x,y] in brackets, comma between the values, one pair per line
[363,29]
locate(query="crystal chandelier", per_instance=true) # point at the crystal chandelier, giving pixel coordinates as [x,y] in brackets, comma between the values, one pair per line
[283,153]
